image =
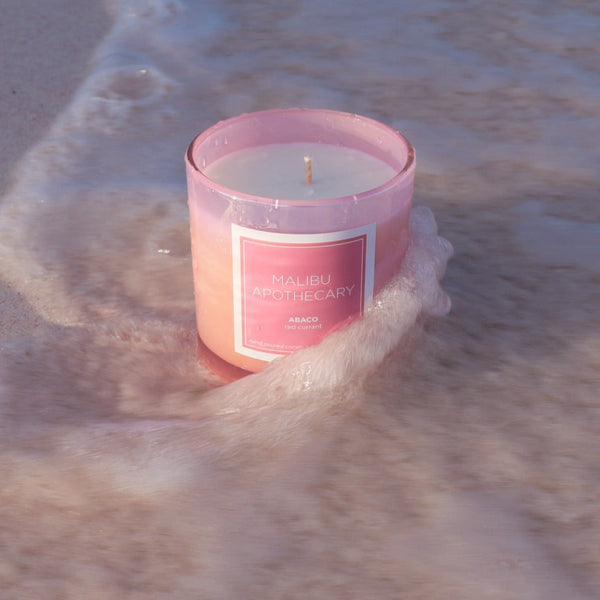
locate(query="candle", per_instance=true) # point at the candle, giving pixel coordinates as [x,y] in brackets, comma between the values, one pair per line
[297,217]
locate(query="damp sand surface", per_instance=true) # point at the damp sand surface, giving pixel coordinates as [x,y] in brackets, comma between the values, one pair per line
[419,453]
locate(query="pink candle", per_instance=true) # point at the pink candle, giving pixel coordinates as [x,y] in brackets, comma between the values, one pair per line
[280,259]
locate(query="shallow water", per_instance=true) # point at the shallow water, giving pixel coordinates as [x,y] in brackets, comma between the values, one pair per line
[412,455]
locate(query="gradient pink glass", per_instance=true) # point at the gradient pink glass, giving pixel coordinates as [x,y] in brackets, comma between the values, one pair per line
[213,207]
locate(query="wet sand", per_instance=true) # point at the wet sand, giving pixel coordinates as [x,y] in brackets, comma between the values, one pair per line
[454,457]
[45,56]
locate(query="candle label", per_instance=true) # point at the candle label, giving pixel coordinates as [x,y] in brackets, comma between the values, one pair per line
[290,290]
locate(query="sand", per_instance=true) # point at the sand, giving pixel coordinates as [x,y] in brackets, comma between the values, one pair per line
[45,55]
[416,455]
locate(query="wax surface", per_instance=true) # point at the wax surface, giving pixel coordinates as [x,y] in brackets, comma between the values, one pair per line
[277,171]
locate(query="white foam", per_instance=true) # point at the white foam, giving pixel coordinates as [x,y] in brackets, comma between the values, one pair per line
[345,357]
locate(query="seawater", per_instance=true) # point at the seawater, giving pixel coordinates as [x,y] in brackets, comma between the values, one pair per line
[414,454]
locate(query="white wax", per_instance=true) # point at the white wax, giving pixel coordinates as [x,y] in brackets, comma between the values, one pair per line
[277,171]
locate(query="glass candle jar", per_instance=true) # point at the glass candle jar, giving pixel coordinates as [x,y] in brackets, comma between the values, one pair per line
[298,217]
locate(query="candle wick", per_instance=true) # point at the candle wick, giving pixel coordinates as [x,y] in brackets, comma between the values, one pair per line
[308,170]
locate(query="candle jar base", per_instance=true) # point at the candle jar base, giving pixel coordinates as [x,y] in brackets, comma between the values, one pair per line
[217,366]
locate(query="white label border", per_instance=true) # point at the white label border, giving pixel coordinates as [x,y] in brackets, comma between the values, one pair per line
[238,231]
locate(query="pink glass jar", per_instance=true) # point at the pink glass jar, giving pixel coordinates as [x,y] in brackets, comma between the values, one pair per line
[275,273]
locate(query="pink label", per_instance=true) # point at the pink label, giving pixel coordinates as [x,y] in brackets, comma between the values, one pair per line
[290,290]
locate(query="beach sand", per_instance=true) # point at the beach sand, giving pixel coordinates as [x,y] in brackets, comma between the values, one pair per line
[446,457]
[45,56]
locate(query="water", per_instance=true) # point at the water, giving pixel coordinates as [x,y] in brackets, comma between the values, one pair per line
[414,454]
